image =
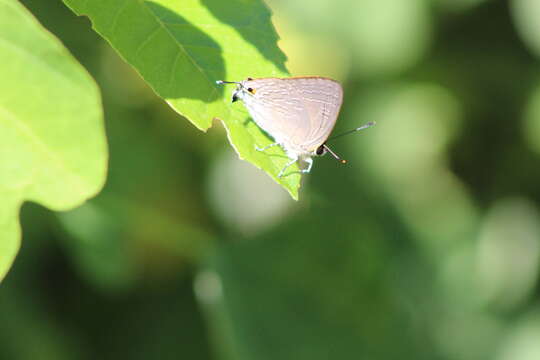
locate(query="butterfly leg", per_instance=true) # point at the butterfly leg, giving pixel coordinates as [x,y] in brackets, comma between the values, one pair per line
[309,161]
[293,160]
[266,147]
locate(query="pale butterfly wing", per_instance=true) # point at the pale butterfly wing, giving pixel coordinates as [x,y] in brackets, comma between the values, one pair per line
[276,108]
[298,112]
[322,98]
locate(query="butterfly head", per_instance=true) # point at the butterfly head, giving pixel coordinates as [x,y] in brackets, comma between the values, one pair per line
[243,88]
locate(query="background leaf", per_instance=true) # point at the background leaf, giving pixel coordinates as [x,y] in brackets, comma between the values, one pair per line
[52,144]
[182,48]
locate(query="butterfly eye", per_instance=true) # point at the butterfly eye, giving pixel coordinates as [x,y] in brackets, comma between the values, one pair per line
[251,90]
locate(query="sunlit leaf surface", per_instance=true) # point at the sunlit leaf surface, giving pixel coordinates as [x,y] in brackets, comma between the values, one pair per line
[182,47]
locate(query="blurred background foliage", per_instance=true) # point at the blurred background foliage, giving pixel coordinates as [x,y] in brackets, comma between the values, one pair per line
[426,246]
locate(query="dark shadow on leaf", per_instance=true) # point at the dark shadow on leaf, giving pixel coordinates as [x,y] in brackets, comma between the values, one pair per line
[190,69]
[252,20]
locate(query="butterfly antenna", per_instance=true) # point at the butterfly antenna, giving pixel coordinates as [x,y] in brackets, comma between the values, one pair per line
[369,124]
[343,161]
[220,82]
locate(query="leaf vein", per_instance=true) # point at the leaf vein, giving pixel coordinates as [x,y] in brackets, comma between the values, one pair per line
[117,16]
[147,40]
[173,68]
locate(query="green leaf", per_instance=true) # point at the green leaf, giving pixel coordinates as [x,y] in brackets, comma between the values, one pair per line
[52,143]
[182,47]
